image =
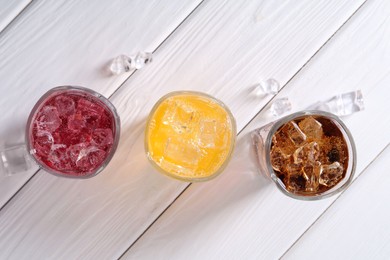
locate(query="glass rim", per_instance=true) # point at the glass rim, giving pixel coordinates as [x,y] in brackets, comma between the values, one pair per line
[104,100]
[233,135]
[350,142]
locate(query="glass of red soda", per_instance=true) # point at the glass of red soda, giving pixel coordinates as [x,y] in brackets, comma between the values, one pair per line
[72,132]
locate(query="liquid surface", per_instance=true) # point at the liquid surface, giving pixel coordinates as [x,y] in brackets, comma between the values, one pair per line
[309,154]
[189,136]
[72,133]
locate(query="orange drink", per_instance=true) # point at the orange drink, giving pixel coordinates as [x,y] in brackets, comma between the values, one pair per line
[190,136]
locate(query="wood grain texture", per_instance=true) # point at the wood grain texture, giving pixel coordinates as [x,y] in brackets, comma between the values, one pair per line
[58,43]
[356,226]
[9,10]
[218,50]
[241,214]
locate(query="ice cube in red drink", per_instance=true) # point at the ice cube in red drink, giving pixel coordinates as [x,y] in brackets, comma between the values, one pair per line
[72,132]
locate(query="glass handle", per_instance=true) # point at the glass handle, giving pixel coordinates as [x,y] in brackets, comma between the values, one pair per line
[14,159]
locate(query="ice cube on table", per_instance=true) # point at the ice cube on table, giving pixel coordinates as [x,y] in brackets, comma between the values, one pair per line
[48,119]
[343,104]
[267,87]
[121,64]
[142,59]
[124,63]
[280,106]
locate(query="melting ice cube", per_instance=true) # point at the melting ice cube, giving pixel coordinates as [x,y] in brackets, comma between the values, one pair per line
[48,119]
[311,127]
[102,137]
[65,105]
[209,132]
[331,174]
[181,117]
[180,150]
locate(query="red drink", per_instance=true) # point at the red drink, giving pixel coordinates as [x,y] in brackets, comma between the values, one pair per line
[73,132]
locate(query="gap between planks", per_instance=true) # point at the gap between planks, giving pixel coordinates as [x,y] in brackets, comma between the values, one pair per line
[2,31]
[257,114]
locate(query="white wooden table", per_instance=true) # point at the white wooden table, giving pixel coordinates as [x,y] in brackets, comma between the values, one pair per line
[315,49]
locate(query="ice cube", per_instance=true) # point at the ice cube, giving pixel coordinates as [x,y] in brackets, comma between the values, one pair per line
[295,183]
[48,119]
[58,157]
[75,151]
[86,107]
[331,174]
[181,117]
[294,133]
[209,131]
[334,150]
[307,153]
[142,59]
[278,159]
[181,151]
[280,106]
[65,105]
[294,169]
[311,172]
[76,122]
[86,156]
[121,64]
[312,128]
[43,142]
[90,158]
[269,87]
[102,137]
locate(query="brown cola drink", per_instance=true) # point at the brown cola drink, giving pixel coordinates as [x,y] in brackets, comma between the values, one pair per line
[309,154]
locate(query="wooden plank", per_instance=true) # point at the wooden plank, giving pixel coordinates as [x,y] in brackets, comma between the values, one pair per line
[220,50]
[241,214]
[71,42]
[357,225]
[9,10]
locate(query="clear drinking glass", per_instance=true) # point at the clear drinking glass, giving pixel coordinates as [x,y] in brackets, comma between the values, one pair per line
[263,138]
[190,136]
[71,132]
